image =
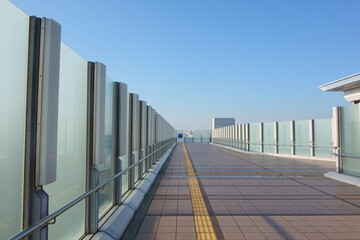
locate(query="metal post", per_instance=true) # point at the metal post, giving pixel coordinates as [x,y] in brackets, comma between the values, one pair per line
[42,81]
[292,137]
[312,137]
[276,137]
[95,139]
[247,136]
[261,129]
[336,130]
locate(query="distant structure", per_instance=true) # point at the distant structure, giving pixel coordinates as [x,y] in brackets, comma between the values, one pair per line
[349,85]
[222,122]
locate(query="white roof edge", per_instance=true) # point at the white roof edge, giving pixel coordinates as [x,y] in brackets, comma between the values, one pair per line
[333,86]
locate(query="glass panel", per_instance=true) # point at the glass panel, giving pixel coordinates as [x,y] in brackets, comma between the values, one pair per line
[13,61]
[284,137]
[206,135]
[268,137]
[350,138]
[135,155]
[302,140]
[197,136]
[71,162]
[322,137]
[254,137]
[125,177]
[107,167]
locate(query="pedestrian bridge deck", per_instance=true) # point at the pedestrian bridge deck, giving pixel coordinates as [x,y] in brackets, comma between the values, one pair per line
[208,192]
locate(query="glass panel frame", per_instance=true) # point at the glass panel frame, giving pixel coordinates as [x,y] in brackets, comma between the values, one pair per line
[107,167]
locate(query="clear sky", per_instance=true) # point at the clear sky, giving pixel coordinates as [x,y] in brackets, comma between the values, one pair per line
[255,60]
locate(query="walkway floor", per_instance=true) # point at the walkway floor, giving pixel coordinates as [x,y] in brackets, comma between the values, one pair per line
[248,196]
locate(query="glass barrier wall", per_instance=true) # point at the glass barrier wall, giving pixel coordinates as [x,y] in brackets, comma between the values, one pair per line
[302,140]
[71,158]
[350,139]
[72,137]
[284,138]
[268,137]
[196,136]
[250,138]
[13,64]
[254,133]
[322,137]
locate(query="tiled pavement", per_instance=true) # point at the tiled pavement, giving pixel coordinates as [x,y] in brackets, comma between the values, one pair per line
[253,197]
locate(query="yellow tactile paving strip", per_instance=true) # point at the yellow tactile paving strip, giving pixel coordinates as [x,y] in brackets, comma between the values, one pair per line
[203,225]
[258,173]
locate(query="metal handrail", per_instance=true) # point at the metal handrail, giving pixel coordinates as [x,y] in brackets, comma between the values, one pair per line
[276,144]
[345,155]
[55,214]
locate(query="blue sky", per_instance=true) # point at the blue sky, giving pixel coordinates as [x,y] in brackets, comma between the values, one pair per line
[258,60]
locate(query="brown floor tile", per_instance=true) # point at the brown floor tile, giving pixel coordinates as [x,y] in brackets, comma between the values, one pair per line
[166,229]
[185,229]
[145,236]
[165,236]
[247,223]
[233,236]
[185,236]
[315,236]
[336,235]
[230,229]
[254,236]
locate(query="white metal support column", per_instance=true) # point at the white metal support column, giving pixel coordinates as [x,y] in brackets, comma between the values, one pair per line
[311,137]
[292,137]
[276,137]
[336,136]
[261,130]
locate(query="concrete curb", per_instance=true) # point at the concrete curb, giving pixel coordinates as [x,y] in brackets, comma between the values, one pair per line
[116,224]
[278,155]
[102,236]
[343,178]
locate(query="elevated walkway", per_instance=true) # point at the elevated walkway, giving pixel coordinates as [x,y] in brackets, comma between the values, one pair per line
[208,192]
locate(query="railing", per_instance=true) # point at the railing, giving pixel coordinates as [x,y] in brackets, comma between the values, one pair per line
[346,155]
[47,220]
[304,137]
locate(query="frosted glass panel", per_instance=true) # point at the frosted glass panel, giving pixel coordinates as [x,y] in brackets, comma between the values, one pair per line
[284,137]
[13,64]
[302,140]
[125,178]
[197,136]
[268,137]
[322,137]
[350,138]
[135,155]
[106,168]
[254,137]
[71,163]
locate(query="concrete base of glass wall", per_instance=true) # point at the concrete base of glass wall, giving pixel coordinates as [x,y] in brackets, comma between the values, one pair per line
[343,178]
